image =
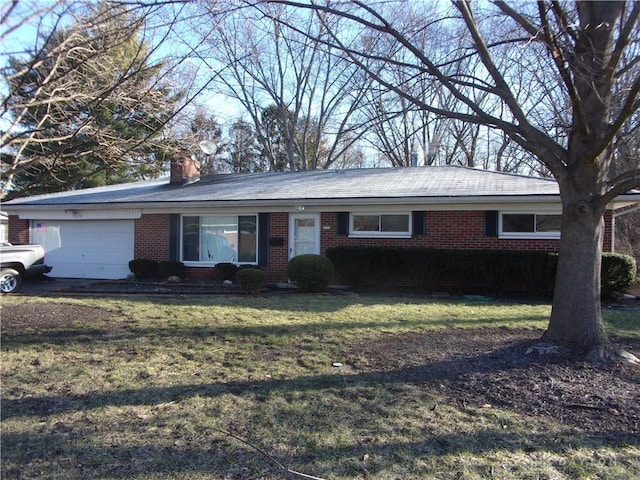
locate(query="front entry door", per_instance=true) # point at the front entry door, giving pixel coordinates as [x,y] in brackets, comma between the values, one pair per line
[304,234]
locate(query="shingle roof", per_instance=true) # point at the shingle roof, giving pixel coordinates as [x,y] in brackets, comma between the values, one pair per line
[443,182]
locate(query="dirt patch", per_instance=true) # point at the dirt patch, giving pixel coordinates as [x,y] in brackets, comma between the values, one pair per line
[489,368]
[51,315]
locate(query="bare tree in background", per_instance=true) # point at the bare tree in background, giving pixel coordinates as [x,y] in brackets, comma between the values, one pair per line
[403,132]
[271,68]
[584,92]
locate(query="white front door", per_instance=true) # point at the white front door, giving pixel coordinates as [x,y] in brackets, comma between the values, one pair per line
[304,234]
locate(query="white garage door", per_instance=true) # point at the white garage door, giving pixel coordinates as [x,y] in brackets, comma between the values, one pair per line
[86,248]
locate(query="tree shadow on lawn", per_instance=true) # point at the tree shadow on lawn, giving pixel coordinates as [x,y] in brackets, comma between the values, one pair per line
[484,372]
[123,332]
[99,326]
[594,406]
[216,454]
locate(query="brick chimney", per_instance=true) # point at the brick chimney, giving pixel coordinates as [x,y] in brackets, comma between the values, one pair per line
[184,170]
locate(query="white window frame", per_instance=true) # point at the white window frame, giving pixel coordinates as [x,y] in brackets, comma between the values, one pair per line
[199,263]
[530,235]
[371,234]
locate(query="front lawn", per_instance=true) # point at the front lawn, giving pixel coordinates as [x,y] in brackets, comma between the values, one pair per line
[338,387]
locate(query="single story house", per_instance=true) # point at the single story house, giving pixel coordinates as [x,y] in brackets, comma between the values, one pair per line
[267,218]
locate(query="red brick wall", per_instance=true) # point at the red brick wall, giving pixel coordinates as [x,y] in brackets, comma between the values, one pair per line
[152,237]
[199,274]
[18,230]
[464,230]
[278,254]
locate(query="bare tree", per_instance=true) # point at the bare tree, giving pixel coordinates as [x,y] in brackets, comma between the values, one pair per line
[400,132]
[583,53]
[404,134]
[310,90]
[88,101]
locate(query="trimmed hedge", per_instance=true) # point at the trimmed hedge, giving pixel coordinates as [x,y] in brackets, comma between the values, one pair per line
[143,268]
[618,273]
[225,271]
[312,273]
[250,279]
[171,269]
[487,271]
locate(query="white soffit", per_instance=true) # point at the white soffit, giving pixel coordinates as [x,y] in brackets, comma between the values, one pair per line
[79,214]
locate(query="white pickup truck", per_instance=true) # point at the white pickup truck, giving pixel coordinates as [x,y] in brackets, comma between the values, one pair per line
[18,262]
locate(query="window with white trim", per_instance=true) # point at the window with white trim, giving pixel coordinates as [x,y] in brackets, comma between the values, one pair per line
[530,225]
[212,239]
[380,225]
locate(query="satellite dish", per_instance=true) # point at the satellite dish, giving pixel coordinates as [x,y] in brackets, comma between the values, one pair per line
[208,147]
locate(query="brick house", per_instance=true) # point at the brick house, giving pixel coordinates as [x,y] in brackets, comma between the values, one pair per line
[267,218]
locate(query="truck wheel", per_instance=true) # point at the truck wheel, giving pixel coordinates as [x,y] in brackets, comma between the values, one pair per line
[10,280]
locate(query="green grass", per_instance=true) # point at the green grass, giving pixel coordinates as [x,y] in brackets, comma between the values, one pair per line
[148,391]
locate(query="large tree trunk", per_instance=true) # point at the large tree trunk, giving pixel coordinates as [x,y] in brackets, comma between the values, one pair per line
[576,317]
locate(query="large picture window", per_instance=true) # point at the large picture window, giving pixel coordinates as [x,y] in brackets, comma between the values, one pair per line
[220,239]
[542,225]
[380,225]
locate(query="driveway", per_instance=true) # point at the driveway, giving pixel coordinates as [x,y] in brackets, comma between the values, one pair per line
[49,285]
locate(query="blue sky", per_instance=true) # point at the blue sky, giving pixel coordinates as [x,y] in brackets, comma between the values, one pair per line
[19,34]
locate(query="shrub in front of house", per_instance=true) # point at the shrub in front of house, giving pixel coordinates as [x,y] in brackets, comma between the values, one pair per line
[250,280]
[618,273]
[144,268]
[171,269]
[312,273]
[365,265]
[487,271]
[225,271]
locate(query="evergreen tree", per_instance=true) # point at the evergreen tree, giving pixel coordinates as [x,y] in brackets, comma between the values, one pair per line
[244,151]
[86,107]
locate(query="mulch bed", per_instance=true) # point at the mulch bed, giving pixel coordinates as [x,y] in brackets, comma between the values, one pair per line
[489,367]
[152,288]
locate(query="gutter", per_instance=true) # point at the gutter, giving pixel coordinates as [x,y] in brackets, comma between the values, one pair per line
[628,203]
[475,199]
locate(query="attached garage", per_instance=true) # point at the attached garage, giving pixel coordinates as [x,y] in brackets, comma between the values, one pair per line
[86,248]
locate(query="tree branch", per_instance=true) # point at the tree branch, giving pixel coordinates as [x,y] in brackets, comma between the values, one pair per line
[270,457]
[621,184]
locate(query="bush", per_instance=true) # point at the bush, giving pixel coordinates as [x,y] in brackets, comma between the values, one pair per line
[250,279]
[360,266]
[170,269]
[486,271]
[312,273]
[618,273]
[143,268]
[490,271]
[225,271]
